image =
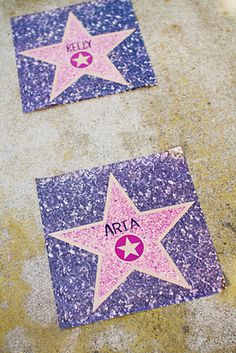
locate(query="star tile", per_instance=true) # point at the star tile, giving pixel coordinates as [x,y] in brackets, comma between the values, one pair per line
[78,52]
[126,237]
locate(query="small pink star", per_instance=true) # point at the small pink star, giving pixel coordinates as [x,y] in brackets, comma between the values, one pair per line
[122,250]
[129,247]
[81,59]
[64,55]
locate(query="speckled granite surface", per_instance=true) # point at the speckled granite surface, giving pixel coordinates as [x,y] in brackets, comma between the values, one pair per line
[191,45]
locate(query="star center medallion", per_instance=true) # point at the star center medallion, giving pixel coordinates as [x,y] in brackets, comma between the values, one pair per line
[129,248]
[81,60]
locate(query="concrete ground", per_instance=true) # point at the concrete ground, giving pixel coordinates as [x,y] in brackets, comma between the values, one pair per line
[191,45]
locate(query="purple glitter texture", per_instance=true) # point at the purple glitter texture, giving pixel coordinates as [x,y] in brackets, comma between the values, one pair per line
[78,198]
[98,17]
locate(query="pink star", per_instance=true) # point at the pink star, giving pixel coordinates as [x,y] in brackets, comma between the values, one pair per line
[135,246]
[76,40]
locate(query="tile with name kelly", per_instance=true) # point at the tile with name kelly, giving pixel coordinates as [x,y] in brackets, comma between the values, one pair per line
[78,52]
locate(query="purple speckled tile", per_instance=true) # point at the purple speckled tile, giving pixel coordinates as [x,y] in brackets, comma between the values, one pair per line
[78,52]
[126,237]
